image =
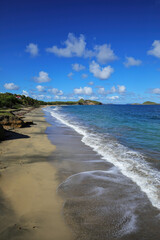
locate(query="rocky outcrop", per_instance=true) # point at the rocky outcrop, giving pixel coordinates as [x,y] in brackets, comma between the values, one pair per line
[88,102]
[11,122]
[2,132]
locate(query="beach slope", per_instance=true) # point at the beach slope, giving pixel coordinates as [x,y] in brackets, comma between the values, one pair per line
[29,205]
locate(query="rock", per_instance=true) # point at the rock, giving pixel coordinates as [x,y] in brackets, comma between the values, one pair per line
[11,121]
[28,123]
[88,102]
[2,132]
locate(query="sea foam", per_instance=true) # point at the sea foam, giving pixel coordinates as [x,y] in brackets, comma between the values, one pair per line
[131,163]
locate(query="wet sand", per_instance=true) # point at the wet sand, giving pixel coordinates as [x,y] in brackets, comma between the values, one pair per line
[29,205]
[100,203]
[94,202]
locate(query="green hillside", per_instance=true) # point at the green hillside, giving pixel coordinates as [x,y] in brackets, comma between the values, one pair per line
[146,103]
[9,100]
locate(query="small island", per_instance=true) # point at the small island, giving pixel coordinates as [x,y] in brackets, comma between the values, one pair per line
[146,103]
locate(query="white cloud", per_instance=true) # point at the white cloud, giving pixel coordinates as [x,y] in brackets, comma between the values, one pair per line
[60,97]
[89,53]
[74,47]
[84,75]
[70,75]
[80,97]
[39,96]
[121,89]
[40,88]
[55,91]
[156,91]
[93,98]
[11,86]
[83,91]
[113,97]
[77,67]
[104,53]
[91,83]
[25,93]
[155,51]
[101,91]
[130,61]
[48,97]
[43,77]
[101,73]
[113,89]
[32,49]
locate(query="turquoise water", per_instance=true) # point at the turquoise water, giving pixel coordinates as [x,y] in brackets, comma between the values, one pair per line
[137,127]
[127,136]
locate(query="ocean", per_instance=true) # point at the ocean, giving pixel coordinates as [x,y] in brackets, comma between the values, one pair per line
[111,154]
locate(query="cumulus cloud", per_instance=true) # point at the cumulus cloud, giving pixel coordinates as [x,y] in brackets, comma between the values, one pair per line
[101,90]
[40,96]
[77,67]
[155,51]
[48,97]
[156,91]
[11,86]
[55,91]
[91,83]
[40,88]
[130,61]
[32,49]
[113,97]
[25,93]
[93,98]
[43,77]
[57,97]
[113,89]
[74,47]
[101,73]
[104,53]
[121,89]
[70,75]
[84,75]
[83,91]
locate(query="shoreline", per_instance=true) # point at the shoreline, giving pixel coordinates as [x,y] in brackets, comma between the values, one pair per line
[99,200]
[30,206]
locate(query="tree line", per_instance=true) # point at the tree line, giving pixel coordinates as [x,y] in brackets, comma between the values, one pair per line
[9,100]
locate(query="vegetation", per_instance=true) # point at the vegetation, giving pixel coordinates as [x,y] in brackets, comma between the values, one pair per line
[80,102]
[5,113]
[14,101]
[150,103]
[88,102]
[9,100]
[146,103]
[61,103]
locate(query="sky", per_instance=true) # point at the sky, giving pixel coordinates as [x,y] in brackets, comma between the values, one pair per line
[105,50]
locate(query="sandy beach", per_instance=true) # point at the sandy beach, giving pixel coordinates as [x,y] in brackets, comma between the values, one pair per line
[29,205]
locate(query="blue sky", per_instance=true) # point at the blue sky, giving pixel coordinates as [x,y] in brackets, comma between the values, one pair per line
[107,50]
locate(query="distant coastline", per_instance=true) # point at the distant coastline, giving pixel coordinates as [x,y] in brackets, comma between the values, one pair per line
[9,100]
[146,103]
